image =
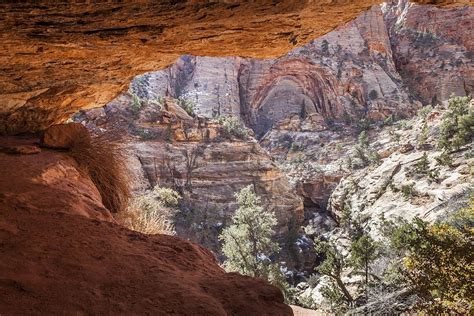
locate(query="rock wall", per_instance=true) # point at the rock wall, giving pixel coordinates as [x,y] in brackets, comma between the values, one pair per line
[395,189]
[196,157]
[433,49]
[377,65]
[58,238]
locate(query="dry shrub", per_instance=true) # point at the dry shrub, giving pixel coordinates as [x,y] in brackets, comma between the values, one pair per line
[152,212]
[102,159]
[145,222]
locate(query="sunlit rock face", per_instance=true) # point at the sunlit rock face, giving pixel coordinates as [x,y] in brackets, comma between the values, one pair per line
[373,67]
[197,158]
[433,49]
[58,58]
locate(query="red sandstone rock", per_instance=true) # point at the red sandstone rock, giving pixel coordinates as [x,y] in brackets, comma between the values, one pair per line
[23,149]
[63,136]
[61,256]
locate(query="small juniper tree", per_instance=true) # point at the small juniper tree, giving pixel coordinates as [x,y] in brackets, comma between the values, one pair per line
[423,165]
[248,243]
[457,126]
[333,266]
[364,251]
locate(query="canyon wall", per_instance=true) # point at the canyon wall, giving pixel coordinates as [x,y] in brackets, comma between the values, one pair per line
[196,157]
[378,65]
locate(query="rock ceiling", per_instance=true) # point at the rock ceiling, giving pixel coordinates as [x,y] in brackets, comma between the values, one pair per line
[56,58]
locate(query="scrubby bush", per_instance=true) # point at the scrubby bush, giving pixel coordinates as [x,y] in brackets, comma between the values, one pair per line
[424,111]
[364,124]
[457,128]
[187,105]
[389,120]
[360,151]
[423,136]
[232,126]
[152,212]
[137,105]
[444,159]
[408,190]
[374,157]
[404,124]
[438,262]
[103,160]
[422,166]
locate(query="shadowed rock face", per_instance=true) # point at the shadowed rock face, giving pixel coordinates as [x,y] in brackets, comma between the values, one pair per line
[59,57]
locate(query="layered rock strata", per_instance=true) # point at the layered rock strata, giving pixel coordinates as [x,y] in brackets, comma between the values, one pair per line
[197,157]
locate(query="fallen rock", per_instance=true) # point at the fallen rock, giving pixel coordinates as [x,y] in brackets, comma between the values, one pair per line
[405,148]
[63,136]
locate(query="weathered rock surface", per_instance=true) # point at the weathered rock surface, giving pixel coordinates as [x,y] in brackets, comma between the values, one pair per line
[62,253]
[63,136]
[46,181]
[61,57]
[393,188]
[433,49]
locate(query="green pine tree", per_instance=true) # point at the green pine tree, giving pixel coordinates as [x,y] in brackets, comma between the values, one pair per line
[457,127]
[248,242]
[364,251]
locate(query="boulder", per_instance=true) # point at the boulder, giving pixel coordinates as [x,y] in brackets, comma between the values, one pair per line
[64,136]
[405,148]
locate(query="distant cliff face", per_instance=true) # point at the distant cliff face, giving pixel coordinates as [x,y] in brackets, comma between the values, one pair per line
[387,62]
[433,49]
[195,156]
[380,64]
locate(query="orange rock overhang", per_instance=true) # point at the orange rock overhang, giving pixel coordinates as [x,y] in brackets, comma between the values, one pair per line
[59,57]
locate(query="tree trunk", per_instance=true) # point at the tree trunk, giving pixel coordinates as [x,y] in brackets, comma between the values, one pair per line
[344,290]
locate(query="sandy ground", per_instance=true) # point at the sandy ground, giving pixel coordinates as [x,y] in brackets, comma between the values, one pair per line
[300,311]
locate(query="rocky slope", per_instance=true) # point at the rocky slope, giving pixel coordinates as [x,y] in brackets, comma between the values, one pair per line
[62,253]
[397,186]
[411,177]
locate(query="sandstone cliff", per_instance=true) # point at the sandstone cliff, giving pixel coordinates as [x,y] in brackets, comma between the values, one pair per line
[195,156]
[378,65]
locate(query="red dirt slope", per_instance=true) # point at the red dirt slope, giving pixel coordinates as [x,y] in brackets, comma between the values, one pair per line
[55,262]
